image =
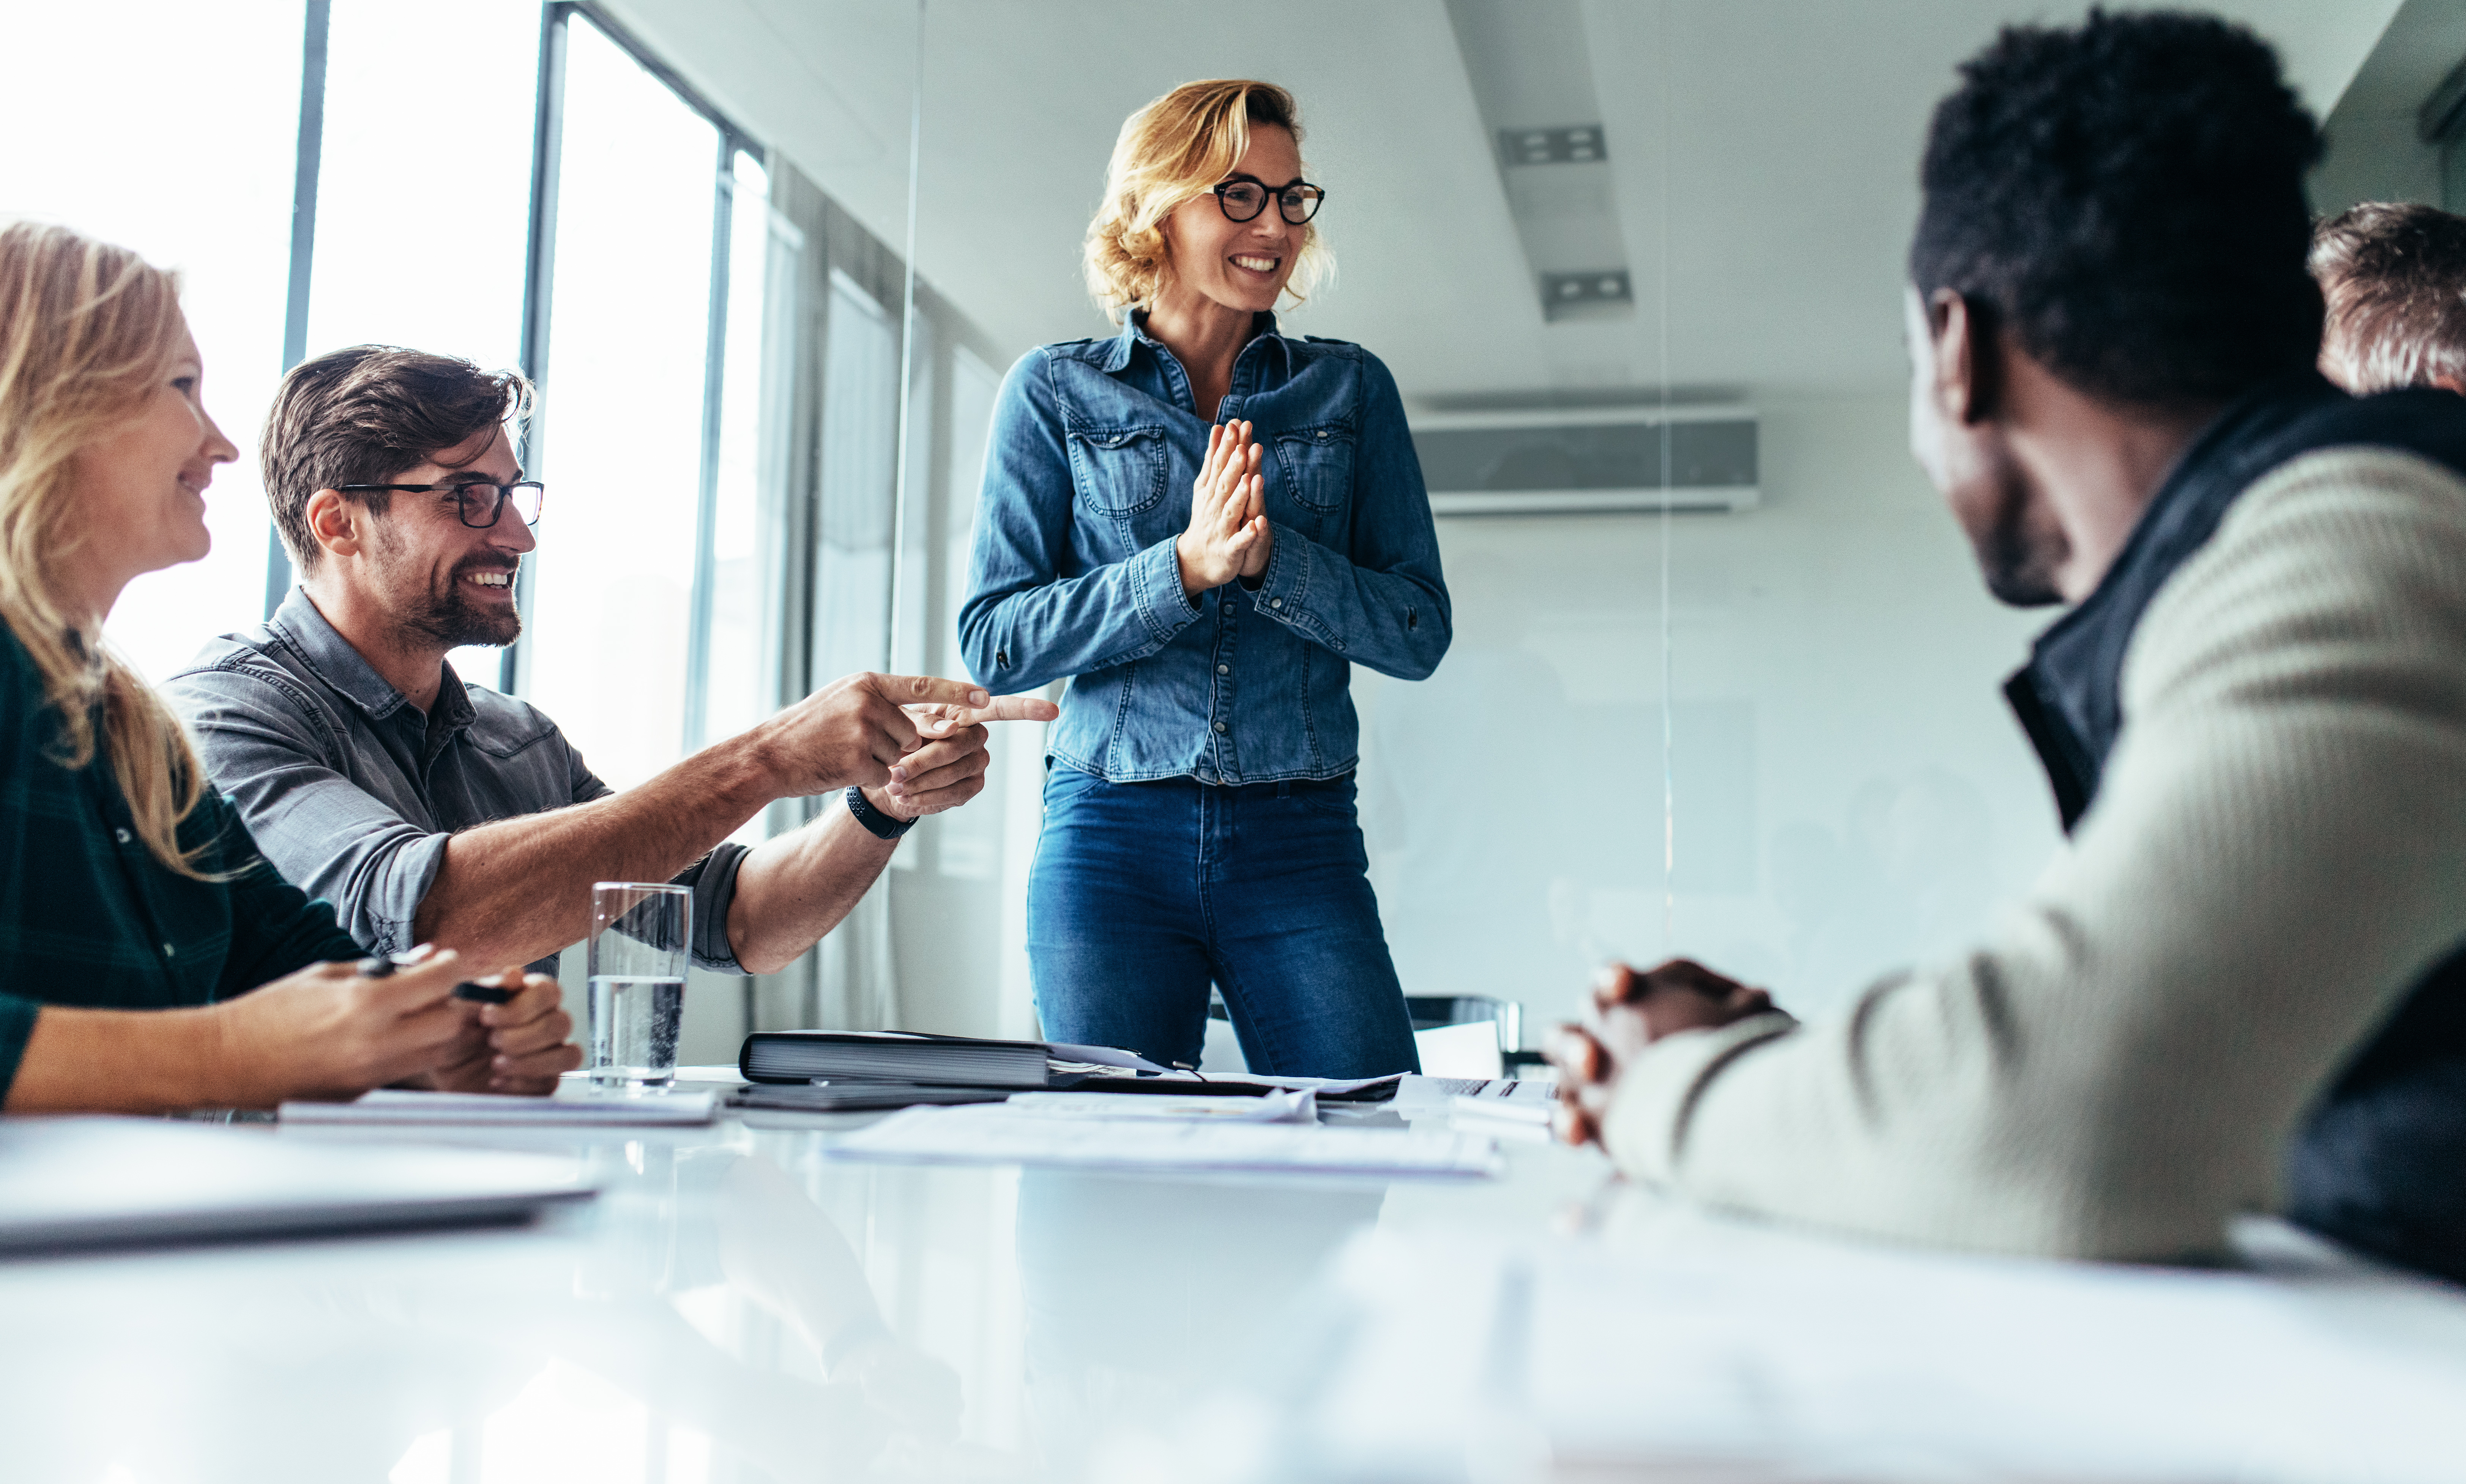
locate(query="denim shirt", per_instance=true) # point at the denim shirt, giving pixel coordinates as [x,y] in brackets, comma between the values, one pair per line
[352,793]
[1095,445]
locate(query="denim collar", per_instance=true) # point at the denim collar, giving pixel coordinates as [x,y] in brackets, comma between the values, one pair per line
[331,659]
[1135,333]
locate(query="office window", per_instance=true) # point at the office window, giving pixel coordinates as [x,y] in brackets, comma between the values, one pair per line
[423,203]
[729,625]
[185,156]
[859,467]
[621,438]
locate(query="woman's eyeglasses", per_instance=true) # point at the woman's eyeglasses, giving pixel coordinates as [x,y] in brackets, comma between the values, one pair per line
[482,503]
[1244,196]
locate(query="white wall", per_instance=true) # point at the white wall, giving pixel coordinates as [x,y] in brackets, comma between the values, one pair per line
[1850,792]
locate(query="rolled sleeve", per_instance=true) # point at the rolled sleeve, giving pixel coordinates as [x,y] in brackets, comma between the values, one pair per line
[713,880]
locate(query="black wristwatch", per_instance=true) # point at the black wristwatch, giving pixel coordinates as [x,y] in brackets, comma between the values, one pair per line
[884,826]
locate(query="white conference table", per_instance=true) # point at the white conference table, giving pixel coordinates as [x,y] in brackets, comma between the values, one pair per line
[740,1305]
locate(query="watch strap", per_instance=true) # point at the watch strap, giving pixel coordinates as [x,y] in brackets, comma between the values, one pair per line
[882,826]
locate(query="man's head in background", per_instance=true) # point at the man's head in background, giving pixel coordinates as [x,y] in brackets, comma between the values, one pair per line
[2394,276]
[2110,249]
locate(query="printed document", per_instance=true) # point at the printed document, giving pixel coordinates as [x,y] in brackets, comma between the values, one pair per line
[997,1133]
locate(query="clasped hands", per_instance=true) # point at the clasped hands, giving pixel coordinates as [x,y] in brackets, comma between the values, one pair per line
[329,1032]
[1629,1012]
[1229,537]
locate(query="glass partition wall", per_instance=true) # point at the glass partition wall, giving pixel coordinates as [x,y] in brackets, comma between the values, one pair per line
[1753,721]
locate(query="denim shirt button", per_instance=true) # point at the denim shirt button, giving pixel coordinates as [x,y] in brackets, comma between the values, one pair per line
[1228,605]
[121,835]
[168,952]
[1221,670]
[1275,602]
[1221,728]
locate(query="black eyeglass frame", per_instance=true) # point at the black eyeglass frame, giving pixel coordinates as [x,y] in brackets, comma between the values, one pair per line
[1275,192]
[462,500]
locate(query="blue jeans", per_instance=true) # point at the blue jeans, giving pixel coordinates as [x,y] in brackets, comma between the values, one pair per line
[1144,892]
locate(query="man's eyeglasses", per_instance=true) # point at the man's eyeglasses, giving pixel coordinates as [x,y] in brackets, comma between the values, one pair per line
[482,503]
[1244,196]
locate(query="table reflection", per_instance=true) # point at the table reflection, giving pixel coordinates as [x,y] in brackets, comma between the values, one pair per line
[1136,1298]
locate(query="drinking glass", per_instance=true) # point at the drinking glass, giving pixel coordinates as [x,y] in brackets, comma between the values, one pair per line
[638,936]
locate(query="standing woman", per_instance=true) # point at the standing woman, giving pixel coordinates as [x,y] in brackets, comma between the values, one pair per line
[1203,524]
[149,960]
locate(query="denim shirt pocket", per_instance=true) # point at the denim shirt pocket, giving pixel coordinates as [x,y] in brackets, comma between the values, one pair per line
[1317,464]
[1120,471]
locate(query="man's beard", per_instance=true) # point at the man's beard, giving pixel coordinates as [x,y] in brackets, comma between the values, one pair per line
[2018,573]
[452,620]
[2019,557]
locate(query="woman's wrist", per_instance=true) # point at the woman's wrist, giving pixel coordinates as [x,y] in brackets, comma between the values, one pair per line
[1187,570]
[229,1070]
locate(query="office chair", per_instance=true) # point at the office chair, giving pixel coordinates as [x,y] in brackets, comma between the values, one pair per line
[1430,1012]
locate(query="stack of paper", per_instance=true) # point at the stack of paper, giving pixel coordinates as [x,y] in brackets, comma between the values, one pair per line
[998,1134]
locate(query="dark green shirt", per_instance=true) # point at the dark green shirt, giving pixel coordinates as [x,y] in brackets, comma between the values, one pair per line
[88,917]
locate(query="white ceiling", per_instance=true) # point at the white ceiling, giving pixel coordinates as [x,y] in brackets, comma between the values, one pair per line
[1785,134]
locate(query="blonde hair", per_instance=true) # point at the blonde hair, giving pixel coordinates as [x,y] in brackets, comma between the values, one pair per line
[1176,148]
[87,333]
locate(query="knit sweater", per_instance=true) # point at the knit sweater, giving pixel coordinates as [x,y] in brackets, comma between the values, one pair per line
[2277,851]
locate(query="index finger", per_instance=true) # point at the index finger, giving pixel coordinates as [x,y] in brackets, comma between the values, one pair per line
[930,690]
[1010,708]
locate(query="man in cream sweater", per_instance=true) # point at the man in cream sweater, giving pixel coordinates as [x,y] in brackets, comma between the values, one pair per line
[2238,986]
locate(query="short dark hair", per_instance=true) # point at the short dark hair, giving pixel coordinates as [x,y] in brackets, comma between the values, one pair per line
[365,415]
[2125,199]
[2394,274]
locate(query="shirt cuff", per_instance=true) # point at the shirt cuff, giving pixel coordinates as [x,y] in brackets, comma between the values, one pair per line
[1646,1127]
[1155,577]
[1285,583]
[713,879]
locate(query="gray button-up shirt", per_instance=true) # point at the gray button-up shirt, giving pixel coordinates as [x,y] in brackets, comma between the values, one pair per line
[352,793]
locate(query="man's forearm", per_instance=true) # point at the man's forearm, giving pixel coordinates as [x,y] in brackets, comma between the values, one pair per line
[519,889]
[792,889]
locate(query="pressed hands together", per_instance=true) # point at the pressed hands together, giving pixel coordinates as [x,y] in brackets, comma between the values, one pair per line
[1629,1012]
[1229,537]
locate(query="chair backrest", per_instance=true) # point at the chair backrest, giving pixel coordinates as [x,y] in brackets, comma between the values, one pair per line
[1430,1012]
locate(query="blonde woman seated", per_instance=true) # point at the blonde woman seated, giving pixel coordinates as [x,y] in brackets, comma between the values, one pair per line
[149,960]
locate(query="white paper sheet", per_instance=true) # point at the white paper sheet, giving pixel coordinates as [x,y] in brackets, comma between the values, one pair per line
[387,1105]
[1299,1107]
[995,1133]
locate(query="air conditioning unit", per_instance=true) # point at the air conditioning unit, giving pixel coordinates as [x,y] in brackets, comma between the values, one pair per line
[1585,462]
